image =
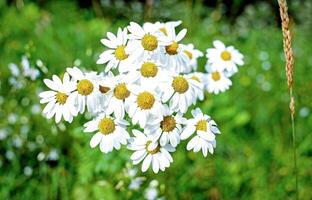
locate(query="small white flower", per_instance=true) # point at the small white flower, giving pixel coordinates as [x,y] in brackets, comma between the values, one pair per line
[151,192]
[14,69]
[117,55]
[149,72]
[111,132]
[201,79]
[60,101]
[117,93]
[145,41]
[173,55]
[87,91]
[205,129]
[9,155]
[217,82]
[150,152]
[28,171]
[182,92]
[136,183]
[28,71]
[224,58]
[3,134]
[53,155]
[192,54]
[144,106]
[169,128]
[163,27]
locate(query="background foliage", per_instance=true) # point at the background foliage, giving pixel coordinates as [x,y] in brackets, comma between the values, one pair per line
[253,160]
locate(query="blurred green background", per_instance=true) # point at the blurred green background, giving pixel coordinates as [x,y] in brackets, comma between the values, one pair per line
[253,158]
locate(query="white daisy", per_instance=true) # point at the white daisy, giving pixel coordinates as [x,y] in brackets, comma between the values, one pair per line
[174,57]
[193,54]
[224,58]
[144,105]
[169,128]
[102,96]
[60,101]
[217,82]
[117,93]
[117,55]
[163,27]
[150,152]
[111,132]
[182,92]
[201,79]
[87,90]
[145,42]
[149,71]
[205,129]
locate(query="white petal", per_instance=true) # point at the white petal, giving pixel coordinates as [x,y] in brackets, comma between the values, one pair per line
[95,140]
[155,163]
[181,35]
[49,107]
[108,43]
[58,114]
[173,140]
[152,146]
[218,44]
[66,113]
[146,163]
[163,139]
[111,36]
[204,150]
[191,144]
[51,84]
[187,132]
[47,94]
[138,154]
[206,135]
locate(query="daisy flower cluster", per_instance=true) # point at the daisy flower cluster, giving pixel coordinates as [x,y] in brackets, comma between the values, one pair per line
[139,100]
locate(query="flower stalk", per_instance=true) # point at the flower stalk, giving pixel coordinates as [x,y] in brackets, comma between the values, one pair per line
[289,66]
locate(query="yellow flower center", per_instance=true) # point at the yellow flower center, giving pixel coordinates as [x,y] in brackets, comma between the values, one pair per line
[201,125]
[120,52]
[149,69]
[61,98]
[168,123]
[121,91]
[172,48]
[226,55]
[163,30]
[149,42]
[196,78]
[145,100]
[84,87]
[189,54]
[180,84]
[104,89]
[156,150]
[215,76]
[106,126]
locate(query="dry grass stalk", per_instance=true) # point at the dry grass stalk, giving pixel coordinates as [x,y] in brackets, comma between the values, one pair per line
[287,49]
[289,57]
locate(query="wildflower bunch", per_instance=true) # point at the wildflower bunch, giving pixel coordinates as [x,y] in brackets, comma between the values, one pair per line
[148,83]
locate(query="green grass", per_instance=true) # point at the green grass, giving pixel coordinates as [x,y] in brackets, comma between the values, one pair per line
[253,158]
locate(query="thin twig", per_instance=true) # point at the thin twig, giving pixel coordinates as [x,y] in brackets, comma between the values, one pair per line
[289,57]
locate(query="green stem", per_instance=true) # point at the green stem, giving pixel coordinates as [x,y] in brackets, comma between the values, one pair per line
[294,146]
